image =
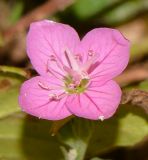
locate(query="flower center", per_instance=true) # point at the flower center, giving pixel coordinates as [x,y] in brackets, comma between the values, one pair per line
[75,86]
[77,77]
[76,72]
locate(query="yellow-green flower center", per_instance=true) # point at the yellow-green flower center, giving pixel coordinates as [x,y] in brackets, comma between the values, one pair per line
[73,87]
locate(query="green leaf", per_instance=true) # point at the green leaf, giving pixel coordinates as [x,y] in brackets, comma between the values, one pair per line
[139,49]
[125,11]
[144,85]
[56,125]
[16,12]
[9,90]
[126,128]
[27,138]
[96,158]
[86,8]
[10,70]
[76,134]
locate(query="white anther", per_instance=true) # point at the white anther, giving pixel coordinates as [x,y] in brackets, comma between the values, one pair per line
[101,118]
[51,21]
[52,58]
[84,75]
[53,96]
[72,85]
[43,85]
[90,53]
[66,92]
[77,57]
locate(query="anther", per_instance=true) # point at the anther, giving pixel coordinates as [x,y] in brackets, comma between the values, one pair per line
[50,21]
[84,75]
[71,60]
[52,58]
[53,96]
[90,53]
[72,86]
[101,118]
[77,57]
[43,86]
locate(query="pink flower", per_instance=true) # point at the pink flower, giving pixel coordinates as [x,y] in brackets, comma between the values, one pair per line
[75,76]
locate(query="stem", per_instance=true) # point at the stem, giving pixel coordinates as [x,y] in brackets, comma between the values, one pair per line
[76,134]
[81,148]
[77,152]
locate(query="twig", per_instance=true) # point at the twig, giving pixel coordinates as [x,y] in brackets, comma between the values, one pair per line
[134,74]
[136,97]
[47,9]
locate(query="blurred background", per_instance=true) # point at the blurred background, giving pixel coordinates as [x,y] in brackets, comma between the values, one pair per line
[23,137]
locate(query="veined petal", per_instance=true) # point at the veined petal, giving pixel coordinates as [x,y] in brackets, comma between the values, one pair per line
[82,106]
[35,98]
[48,39]
[97,102]
[111,50]
[106,97]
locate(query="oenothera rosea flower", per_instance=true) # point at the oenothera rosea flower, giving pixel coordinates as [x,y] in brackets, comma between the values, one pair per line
[75,77]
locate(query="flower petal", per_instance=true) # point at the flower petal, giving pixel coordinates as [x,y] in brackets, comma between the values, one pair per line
[48,39]
[112,53]
[106,97]
[35,95]
[97,102]
[82,106]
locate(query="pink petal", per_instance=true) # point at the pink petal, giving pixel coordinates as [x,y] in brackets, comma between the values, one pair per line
[96,102]
[112,52]
[82,106]
[107,97]
[47,39]
[34,98]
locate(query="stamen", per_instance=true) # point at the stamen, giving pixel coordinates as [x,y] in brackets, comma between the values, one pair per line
[71,60]
[77,57]
[55,68]
[90,53]
[52,58]
[74,74]
[53,96]
[90,61]
[84,75]
[72,86]
[43,86]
